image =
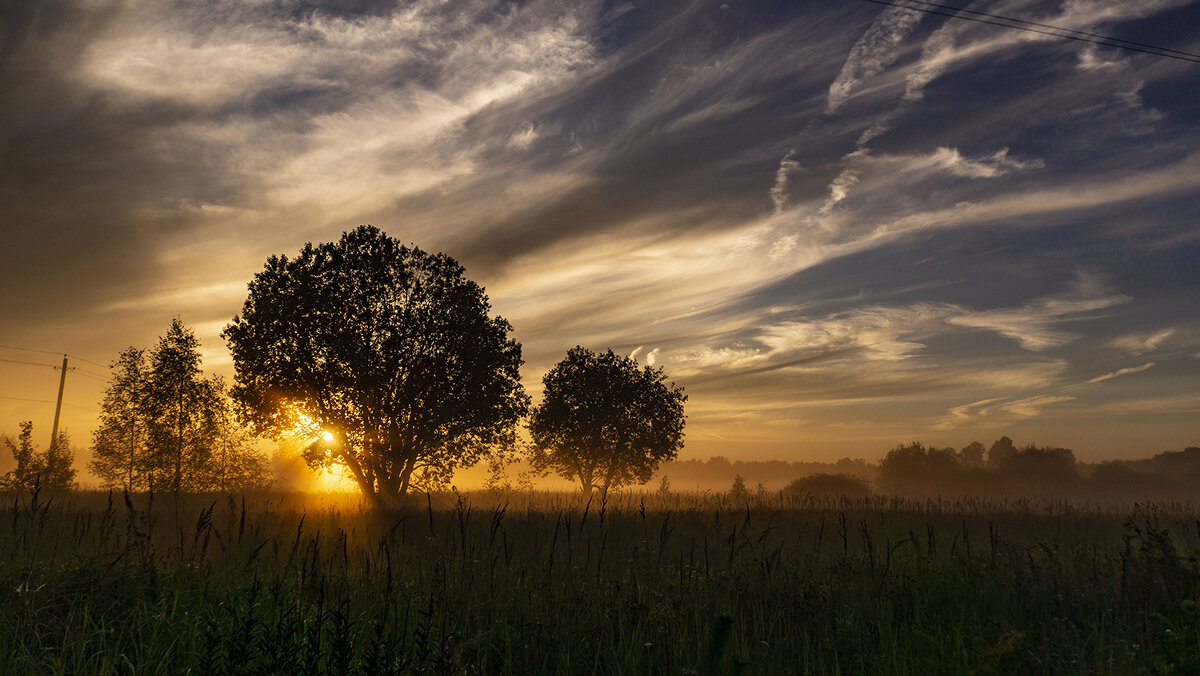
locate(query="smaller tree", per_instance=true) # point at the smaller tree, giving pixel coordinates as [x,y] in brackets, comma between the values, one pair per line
[972,455]
[912,470]
[51,470]
[164,425]
[233,461]
[664,487]
[1002,449]
[825,486]
[177,400]
[738,490]
[604,421]
[119,443]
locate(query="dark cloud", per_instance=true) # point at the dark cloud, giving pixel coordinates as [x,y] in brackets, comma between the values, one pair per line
[76,165]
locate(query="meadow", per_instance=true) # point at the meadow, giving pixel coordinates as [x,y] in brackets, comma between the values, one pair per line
[525,582]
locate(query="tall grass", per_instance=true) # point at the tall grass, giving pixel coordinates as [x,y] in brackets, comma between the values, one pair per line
[546,583]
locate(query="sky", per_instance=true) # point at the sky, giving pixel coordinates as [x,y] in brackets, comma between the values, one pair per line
[839,225]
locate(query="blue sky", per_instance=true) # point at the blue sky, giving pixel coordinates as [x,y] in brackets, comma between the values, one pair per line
[839,225]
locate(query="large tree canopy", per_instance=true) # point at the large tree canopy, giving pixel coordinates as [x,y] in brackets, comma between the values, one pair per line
[604,421]
[387,350]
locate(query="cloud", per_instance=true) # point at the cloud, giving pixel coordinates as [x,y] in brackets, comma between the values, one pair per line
[779,195]
[998,411]
[523,137]
[866,353]
[1034,325]
[956,43]
[952,161]
[839,189]
[874,51]
[1122,372]
[1141,343]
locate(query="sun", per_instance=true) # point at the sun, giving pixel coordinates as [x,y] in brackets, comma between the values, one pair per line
[336,477]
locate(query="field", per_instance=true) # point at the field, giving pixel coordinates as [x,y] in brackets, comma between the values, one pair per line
[544,583]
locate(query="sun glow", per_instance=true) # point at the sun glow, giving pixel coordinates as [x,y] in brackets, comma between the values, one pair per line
[334,479]
[308,432]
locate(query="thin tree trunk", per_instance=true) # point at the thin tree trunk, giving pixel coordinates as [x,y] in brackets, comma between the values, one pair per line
[132,450]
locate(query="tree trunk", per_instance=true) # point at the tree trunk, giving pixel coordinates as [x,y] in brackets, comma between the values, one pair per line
[132,450]
[179,445]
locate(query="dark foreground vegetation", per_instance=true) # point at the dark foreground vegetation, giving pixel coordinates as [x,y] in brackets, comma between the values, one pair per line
[543,583]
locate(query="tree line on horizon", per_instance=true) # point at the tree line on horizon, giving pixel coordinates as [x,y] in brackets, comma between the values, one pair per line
[1005,470]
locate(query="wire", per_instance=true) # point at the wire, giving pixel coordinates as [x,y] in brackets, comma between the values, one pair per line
[48,401]
[1062,32]
[1057,28]
[68,354]
[90,373]
[74,369]
[87,361]
[27,349]
[30,363]
[85,374]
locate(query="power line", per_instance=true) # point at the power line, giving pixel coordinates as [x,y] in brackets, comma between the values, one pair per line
[88,374]
[91,373]
[54,352]
[74,369]
[48,401]
[29,363]
[1034,27]
[1057,28]
[28,349]
[87,361]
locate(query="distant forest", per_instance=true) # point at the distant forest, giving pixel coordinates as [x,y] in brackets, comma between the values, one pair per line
[914,470]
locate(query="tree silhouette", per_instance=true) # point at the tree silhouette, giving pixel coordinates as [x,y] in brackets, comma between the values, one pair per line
[972,455]
[119,444]
[163,425]
[604,421]
[827,486]
[914,470]
[1002,449]
[388,350]
[177,400]
[50,470]
[233,463]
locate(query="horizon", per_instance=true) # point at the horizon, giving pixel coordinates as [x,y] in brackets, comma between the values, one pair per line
[839,226]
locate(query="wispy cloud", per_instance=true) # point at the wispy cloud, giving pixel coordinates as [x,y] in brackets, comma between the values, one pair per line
[998,411]
[1034,325]
[874,51]
[1141,343]
[779,194]
[1122,372]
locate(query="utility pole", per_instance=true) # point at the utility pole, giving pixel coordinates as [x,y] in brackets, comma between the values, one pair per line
[62,382]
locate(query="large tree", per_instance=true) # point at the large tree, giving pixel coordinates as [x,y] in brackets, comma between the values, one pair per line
[606,422]
[388,353]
